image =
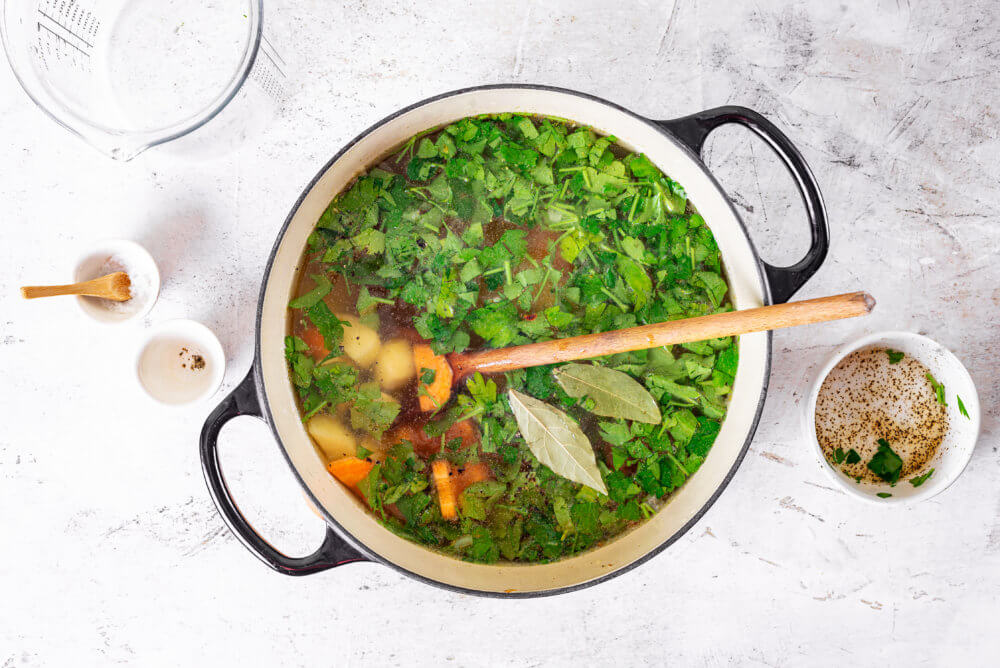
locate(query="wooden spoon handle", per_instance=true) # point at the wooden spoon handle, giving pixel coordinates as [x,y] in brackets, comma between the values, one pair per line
[96,287]
[668,333]
[36,291]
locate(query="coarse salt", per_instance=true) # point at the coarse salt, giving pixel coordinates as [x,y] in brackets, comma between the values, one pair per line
[141,285]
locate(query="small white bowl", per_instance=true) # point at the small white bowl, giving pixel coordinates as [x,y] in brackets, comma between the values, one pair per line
[163,363]
[954,452]
[143,273]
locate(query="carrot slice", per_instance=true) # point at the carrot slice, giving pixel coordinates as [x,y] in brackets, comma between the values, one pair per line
[436,394]
[472,474]
[350,471]
[446,492]
[423,445]
[403,432]
[317,346]
[464,430]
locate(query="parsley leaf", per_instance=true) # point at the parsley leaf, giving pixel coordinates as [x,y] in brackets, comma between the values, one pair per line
[335,382]
[301,363]
[310,298]
[919,480]
[938,389]
[886,464]
[370,412]
[894,356]
[961,407]
[637,280]
[703,439]
[330,326]
[372,241]
[495,322]
[367,303]
[483,391]
[726,363]
[361,195]
[634,248]
[714,285]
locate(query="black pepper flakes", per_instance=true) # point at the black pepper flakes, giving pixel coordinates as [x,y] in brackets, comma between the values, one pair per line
[865,398]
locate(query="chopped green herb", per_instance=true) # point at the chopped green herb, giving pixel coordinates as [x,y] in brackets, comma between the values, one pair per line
[310,298]
[894,356]
[883,495]
[961,407]
[919,480]
[330,326]
[370,412]
[367,303]
[938,389]
[886,464]
[852,457]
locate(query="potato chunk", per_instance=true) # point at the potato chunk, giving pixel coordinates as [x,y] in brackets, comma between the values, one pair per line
[376,449]
[332,437]
[361,343]
[394,366]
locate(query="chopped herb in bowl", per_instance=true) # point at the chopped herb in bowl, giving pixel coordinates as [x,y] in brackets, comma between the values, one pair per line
[886,464]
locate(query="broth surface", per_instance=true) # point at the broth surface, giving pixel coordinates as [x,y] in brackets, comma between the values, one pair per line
[498,231]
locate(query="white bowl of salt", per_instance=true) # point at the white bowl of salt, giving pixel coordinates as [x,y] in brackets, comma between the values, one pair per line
[107,257]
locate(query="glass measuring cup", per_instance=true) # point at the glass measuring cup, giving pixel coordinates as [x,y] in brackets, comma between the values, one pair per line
[126,75]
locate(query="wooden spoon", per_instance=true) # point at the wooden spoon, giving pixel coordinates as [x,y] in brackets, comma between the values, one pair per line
[462,365]
[113,286]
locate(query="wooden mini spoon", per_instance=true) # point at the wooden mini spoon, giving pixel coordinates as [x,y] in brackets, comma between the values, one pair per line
[113,286]
[462,365]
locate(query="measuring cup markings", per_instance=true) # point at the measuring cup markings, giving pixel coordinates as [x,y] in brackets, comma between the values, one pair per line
[268,74]
[126,75]
[65,40]
[68,24]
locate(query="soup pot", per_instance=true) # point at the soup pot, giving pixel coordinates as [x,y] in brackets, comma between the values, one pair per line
[353,534]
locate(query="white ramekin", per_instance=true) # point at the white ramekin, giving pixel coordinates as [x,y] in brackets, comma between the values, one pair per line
[197,334]
[954,453]
[88,266]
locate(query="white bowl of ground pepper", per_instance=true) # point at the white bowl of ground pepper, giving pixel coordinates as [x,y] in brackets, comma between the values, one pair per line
[893,418]
[180,362]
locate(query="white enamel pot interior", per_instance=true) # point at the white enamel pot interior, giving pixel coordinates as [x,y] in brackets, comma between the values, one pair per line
[355,533]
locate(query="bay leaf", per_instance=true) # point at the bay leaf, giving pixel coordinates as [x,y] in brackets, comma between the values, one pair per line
[556,440]
[615,394]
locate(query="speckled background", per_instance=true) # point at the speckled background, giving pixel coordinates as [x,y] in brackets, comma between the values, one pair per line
[111,551]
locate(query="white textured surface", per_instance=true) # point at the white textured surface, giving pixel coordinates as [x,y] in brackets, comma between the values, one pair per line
[111,550]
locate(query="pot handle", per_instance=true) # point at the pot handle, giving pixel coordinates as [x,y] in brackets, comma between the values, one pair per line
[333,552]
[694,129]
